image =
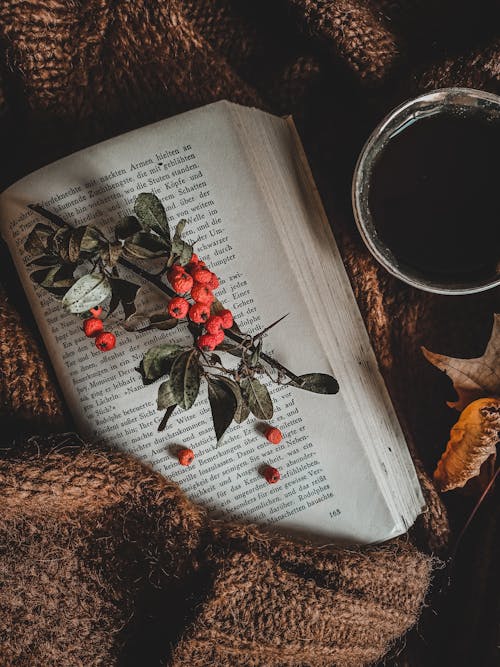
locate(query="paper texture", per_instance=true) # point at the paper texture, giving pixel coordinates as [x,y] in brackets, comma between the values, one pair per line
[198,166]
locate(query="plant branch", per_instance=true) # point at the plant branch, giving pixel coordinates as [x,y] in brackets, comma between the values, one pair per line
[156,281]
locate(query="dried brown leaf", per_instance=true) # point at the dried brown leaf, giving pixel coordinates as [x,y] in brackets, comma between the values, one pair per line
[472,441]
[472,378]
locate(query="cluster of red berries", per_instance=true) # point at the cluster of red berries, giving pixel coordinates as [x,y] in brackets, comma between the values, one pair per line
[93,327]
[272,475]
[199,282]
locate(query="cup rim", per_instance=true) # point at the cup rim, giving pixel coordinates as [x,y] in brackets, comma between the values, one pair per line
[363,218]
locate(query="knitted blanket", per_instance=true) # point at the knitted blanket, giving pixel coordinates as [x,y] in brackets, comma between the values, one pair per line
[78,589]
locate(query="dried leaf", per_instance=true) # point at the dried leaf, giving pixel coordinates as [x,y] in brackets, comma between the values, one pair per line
[473,440]
[472,378]
[110,253]
[38,239]
[144,245]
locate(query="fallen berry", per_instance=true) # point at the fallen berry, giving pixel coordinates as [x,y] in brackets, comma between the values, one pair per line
[185,456]
[96,312]
[201,294]
[227,318]
[105,341]
[213,283]
[199,313]
[273,435]
[207,342]
[178,307]
[272,475]
[213,324]
[202,275]
[92,326]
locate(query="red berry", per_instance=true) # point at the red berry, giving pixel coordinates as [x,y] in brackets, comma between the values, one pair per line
[178,307]
[105,341]
[207,342]
[227,318]
[185,456]
[199,313]
[201,294]
[96,312]
[92,326]
[214,324]
[202,275]
[272,475]
[213,283]
[180,279]
[194,262]
[274,435]
[219,336]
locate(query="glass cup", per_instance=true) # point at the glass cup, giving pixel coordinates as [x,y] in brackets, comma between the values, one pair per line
[465,101]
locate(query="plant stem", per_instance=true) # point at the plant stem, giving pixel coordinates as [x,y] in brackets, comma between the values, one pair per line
[159,284]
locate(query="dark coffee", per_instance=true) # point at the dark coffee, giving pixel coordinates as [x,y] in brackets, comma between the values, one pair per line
[435,197]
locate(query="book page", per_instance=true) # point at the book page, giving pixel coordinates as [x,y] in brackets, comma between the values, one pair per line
[196,165]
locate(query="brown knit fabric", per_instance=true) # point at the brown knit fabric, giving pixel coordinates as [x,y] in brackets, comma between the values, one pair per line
[102,561]
[27,390]
[73,73]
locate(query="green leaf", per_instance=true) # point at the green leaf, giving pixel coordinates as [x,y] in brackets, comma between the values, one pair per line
[257,397]
[88,291]
[144,245]
[158,360]
[165,396]
[123,292]
[319,383]
[127,227]
[38,239]
[162,425]
[242,410]
[151,214]
[223,405]
[185,378]
[181,251]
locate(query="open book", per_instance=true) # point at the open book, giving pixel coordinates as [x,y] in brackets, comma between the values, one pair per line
[240,178]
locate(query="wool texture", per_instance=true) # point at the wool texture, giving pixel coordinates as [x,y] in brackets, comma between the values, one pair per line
[103,562]
[73,73]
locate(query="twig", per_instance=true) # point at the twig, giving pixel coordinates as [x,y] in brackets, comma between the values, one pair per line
[159,284]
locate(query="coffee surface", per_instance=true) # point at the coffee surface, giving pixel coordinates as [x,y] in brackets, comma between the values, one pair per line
[435,197]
